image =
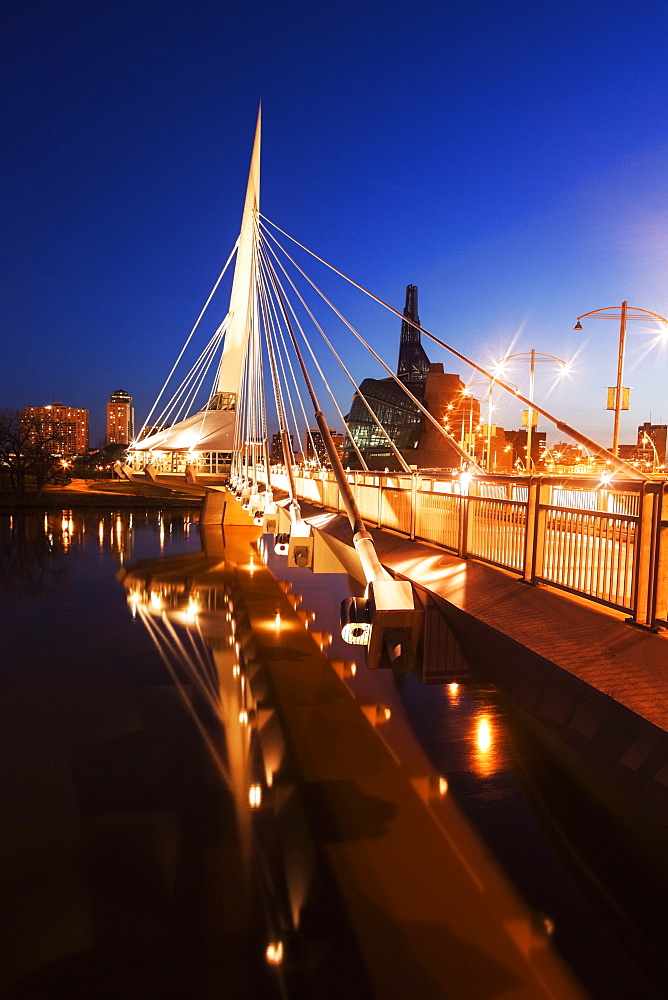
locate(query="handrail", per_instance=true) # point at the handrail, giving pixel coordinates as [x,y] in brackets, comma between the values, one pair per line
[623,568]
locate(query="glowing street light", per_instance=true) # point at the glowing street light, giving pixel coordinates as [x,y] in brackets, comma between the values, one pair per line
[623,315]
[646,439]
[532,357]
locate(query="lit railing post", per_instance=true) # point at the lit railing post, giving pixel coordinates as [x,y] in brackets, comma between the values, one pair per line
[661,603]
[647,556]
[462,536]
[468,491]
[379,516]
[538,497]
[414,501]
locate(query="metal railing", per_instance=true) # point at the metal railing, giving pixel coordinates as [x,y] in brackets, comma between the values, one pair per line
[207,463]
[607,544]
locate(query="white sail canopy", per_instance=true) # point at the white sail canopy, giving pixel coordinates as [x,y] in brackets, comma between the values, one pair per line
[210,430]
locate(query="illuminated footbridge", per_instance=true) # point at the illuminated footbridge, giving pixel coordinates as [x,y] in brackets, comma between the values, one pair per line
[281,348]
[445,558]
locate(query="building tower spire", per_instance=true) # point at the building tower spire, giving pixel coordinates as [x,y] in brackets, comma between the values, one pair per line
[413,363]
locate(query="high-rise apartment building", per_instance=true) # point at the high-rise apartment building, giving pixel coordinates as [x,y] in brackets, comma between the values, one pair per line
[277,447]
[68,425]
[313,439]
[120,418]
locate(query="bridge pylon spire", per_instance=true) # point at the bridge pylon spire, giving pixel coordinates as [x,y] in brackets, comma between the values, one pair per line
[241,310]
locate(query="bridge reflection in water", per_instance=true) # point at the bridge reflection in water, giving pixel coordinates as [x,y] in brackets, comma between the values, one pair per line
[216,804]
[477,724]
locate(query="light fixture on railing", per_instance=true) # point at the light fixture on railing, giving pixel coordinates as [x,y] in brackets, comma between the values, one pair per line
[355,621]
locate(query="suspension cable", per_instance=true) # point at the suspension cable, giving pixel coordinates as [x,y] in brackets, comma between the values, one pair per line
[278,399]
[188,339]
[365,467]
[286,354]
[273,280]
[358,394]
[572,432]
[448,437]
[184,388]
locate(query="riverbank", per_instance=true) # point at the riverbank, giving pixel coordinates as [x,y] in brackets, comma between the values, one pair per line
[99,493]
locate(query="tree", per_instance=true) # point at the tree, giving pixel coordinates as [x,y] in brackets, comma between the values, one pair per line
[27,459]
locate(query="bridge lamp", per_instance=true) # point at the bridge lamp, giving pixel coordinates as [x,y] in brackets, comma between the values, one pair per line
[618,397]
[274,953]
[355,621]
[281,543]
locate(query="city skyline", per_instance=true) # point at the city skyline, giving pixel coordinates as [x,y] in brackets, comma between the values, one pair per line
[518,179]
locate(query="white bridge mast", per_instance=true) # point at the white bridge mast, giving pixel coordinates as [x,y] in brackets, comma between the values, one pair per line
[241,309]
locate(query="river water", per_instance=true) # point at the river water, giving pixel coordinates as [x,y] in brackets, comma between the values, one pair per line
[123,852]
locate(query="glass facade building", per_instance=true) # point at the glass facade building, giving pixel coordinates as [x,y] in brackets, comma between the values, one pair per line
[401,418]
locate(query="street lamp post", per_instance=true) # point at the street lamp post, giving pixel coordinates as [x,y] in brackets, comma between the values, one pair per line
[624,314]
[490,411]
[532,356]
[646,439]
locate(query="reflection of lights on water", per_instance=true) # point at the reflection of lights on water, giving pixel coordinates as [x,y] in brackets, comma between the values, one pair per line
[483,735]
[255,796]
[100,533]
[487,756]
[453,693]
[322,639]
[67,529]
[274,953]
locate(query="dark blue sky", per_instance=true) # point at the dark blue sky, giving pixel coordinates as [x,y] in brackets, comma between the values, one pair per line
[511,159]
